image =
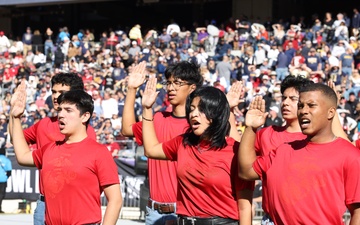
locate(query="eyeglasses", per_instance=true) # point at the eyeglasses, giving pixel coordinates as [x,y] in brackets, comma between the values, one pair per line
[176,84]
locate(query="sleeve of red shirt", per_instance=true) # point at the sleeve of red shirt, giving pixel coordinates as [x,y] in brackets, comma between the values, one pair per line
[263,163]
[30,133]
[171,147]
[91,132]
[137,131]
[106,169]
[38,155]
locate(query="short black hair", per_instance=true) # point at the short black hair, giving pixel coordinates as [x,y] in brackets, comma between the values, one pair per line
[186,71]
[214,105]
[296,82]
[80,98]
[69,79]
[324,89]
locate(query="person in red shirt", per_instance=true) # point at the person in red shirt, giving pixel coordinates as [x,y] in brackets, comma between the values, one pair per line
[270,138]
[182,79]
[47,129]
[307,181]
[76,169]
[112,146]
[209,190]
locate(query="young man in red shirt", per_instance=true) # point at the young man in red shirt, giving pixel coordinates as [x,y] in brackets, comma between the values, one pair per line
[75,170]
[270,138]
[182,78]
[307,181]
[47,130]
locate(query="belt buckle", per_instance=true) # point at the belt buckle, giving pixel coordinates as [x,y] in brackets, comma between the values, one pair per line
[159,209]
[192,220]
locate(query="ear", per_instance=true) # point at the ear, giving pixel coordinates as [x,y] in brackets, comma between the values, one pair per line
[85,117]
[192,88]
[331,113]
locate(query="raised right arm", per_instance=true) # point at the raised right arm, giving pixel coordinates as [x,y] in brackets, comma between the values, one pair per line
[152,146]
[22,151]
[136,79]
[255,118]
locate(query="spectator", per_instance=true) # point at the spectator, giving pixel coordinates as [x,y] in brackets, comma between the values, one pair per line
[4,43]
[27,41]
[135,34]
[109,104]
[282,63]
[49,45]
[223,71]
[37,42]
[112,146]
[134,49]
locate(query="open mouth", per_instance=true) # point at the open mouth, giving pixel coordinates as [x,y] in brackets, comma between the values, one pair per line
[195,124]
[61,125]
[304,123]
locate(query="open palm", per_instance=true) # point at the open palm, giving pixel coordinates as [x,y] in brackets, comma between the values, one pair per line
[150,93]
[18,101]
[137,76]
[256,115]
[234,94]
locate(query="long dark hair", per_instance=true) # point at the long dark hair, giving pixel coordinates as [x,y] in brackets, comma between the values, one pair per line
[214,105]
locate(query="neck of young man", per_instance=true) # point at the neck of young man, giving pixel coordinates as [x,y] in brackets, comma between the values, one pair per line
[324,137]
[293,126]
[76,137]
[178,110]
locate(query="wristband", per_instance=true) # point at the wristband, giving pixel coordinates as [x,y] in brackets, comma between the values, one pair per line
[147,119]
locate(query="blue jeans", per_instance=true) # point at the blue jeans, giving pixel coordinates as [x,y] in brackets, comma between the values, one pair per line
[153,217]
[39,213]
[281,73]
[48,45]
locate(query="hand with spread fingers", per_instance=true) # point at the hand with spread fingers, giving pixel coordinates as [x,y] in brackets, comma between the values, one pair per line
[150,93]
[137,75]
[18,101]
[235,93]
[256,115]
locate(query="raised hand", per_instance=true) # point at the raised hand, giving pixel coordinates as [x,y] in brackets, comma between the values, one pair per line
[150,93]
[256,115]
[235,93]
[137,76]
[18,101]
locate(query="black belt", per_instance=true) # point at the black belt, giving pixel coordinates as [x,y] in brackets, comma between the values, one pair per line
[183,220]
[162,208]
[93,224]
[42,198]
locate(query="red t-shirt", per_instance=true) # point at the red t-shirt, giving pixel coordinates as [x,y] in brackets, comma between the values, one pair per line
[47,131]
[310,183]
[357,143]
[208,179]
[268,139]
[162,173]
[73,176]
